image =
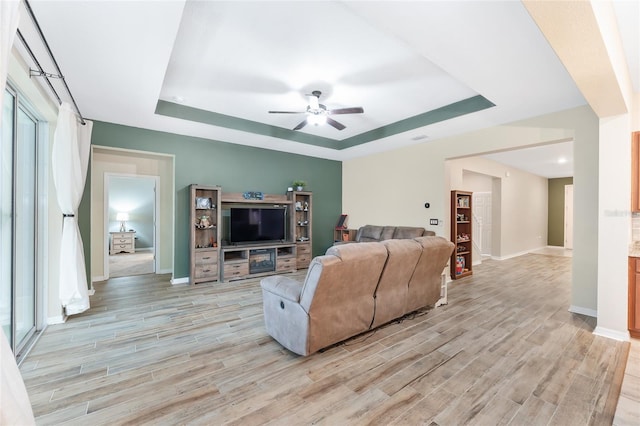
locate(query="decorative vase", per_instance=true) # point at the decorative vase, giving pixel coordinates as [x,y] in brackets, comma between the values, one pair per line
[299,188]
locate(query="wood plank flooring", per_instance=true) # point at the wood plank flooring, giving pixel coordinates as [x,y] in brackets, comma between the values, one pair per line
[505,350]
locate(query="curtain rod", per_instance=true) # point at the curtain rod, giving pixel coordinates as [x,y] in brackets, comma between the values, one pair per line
[40,72]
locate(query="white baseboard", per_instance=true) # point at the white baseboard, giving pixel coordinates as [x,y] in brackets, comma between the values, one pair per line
[583,311]
[144,249]
[56,320]
[622,336]
[164,271]
[511,256]
[184,280]
[92,291]
[96,279]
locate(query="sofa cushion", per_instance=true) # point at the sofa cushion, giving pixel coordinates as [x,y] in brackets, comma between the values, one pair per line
[338,292]
[369,233]
[387,233]
[407,232]
[393,287]
[425,283]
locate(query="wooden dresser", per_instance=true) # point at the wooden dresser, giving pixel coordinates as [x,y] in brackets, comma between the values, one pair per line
[122,242]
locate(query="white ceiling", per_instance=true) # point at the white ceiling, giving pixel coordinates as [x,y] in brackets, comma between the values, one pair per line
[242,59]
[550,161]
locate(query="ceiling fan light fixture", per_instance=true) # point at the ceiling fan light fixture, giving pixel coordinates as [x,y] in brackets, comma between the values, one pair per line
[318,114]
[314,102]
[317,119]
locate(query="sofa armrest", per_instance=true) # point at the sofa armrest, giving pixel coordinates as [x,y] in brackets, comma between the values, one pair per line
[282,286]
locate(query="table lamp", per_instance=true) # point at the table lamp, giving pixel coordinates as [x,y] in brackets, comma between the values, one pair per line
[122,217]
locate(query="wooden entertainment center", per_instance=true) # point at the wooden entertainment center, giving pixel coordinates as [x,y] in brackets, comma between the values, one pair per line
[213,258]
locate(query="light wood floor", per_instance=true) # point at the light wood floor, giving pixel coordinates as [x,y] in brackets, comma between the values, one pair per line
[504,351]
[129,264]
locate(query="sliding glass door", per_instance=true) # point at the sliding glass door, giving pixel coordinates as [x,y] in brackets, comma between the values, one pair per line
[18,232]
[6,219]
[25,228]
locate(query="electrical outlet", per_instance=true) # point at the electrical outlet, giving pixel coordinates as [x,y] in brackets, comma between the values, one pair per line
[433,221]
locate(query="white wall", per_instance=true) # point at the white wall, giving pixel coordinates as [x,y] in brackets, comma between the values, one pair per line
[392,187]
[477,182]
[613,224]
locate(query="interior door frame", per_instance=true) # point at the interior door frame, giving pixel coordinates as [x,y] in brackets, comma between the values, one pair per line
[156,215]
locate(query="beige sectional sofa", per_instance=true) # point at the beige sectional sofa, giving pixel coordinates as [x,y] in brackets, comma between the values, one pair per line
[353,288]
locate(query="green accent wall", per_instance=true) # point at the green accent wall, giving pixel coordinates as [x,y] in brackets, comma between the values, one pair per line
[555,231]
[236,168]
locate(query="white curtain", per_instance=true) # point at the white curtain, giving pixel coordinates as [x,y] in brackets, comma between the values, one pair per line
[9,17]
[70,159]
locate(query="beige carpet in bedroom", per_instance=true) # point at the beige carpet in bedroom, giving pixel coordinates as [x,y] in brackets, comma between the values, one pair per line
[127,264]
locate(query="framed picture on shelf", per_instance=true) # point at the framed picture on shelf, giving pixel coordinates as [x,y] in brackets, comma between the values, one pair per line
[203,203]
[342,222]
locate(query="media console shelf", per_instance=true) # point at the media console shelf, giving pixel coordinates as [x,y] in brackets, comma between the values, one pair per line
[215,258]
[239,262]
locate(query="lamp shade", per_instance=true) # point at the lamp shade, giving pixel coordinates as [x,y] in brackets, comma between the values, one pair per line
[122,216]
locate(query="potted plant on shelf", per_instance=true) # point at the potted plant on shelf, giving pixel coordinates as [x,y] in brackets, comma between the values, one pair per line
[299,184]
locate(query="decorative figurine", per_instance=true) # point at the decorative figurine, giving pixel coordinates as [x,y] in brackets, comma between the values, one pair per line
[204,222]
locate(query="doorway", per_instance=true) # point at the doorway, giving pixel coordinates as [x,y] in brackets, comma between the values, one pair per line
[131,217]
[482,219]
[568,217]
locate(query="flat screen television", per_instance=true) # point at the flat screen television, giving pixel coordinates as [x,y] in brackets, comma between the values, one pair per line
[263,224]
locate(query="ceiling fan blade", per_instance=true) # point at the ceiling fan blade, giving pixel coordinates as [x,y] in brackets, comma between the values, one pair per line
[334,123]
[287,112]
[353,110]
[301,125]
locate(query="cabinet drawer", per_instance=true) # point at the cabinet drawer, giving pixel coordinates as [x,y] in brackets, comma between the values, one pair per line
[303,262]
[286,268]
[236,269]
[207,258]
[206,271]
[288,264]
[286,261]
[122,246]
[303,249]
[122,235]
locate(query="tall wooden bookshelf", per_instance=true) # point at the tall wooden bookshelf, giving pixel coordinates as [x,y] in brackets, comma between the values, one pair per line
[205,222]
[461,234]
[301,225]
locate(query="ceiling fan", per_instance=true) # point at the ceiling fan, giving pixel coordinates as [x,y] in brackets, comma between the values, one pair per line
[319,114]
